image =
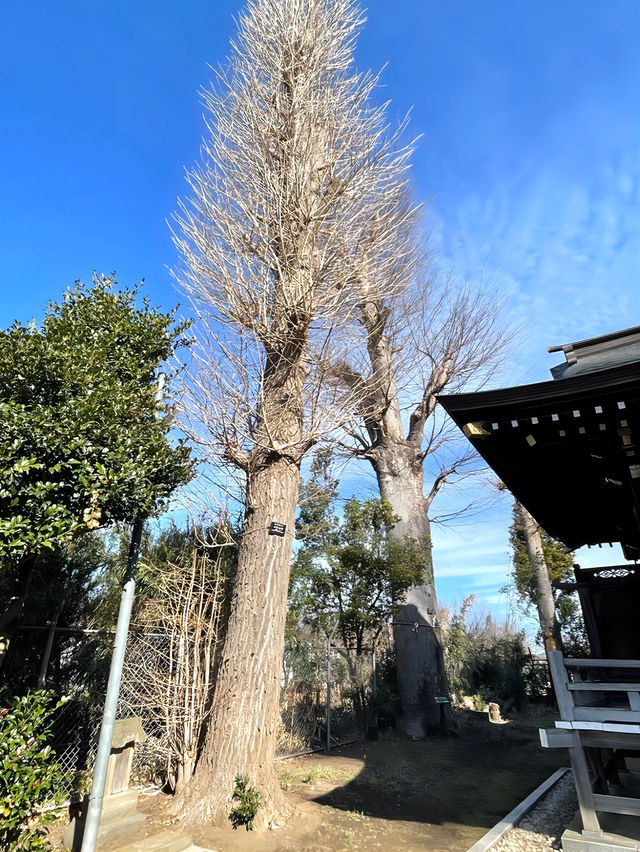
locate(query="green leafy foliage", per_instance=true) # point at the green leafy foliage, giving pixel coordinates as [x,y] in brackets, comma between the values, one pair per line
[386,700]
[67,582]
[348,568]
[248,800]
[30,778]
[457,645]
[487,659]
[81,440]
[66,587]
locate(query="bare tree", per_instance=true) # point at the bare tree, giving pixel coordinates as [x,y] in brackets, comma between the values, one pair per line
[419,342]
[296,167]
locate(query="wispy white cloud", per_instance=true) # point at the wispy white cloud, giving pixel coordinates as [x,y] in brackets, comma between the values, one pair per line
[565,253]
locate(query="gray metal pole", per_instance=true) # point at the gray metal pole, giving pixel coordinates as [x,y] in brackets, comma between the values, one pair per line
[374,679]
[328,693]
[329,639]
[94,810]
[46,656]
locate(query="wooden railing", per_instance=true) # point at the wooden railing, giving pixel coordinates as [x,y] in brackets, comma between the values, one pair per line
[598,711]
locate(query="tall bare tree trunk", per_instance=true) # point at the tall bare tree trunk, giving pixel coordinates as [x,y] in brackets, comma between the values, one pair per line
[297,166]
[242,728]
[246,705]
[421,340]
[544,594]
[398,463]
[419,656]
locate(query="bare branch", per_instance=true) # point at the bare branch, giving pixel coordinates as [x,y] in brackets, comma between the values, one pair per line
[301,179]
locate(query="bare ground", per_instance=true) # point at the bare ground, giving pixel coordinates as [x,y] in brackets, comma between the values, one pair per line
[395,794]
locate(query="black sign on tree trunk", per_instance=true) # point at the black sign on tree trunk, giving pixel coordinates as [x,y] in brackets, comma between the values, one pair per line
[277,529]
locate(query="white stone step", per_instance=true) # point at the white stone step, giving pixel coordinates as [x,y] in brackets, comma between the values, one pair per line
[198,849]
[166,841]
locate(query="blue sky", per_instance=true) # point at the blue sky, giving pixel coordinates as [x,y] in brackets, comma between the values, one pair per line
[529,158]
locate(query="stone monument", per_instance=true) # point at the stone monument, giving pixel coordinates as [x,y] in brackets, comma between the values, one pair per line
[120,816]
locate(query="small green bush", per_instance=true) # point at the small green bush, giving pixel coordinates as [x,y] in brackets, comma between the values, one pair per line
[311,775]
[285,780]
[485,658]
[30,778]
[478,702]
[387,700]
[249,802]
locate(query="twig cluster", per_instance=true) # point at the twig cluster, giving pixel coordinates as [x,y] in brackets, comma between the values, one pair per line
[170,671]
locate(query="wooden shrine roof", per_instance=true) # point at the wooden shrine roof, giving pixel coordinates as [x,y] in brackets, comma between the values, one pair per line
[567,448]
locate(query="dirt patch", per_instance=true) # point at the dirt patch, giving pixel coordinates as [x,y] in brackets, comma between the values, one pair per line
[395,794]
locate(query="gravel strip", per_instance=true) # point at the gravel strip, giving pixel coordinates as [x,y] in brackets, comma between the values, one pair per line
[541,828]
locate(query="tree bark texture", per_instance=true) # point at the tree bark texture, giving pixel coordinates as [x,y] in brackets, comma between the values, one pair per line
[419,656]
[242,729]
[397,461]
[544,593]
[297,168]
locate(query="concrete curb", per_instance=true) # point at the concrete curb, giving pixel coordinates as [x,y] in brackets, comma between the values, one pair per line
[513,817]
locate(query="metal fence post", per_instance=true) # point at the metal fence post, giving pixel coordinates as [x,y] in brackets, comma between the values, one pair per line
[46,655]
[374,680]
[329,639]
[92,824]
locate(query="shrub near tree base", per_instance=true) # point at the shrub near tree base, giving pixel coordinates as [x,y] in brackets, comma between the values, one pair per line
[30,778]
[248,803]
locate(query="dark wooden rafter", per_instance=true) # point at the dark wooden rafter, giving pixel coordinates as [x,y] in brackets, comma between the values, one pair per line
[567,450]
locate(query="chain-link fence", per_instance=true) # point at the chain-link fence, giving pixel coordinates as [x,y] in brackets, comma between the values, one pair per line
[319,683]
[78,669]
[323,682]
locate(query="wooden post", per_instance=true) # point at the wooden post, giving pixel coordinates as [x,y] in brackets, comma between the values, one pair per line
[586,801]
[560,682]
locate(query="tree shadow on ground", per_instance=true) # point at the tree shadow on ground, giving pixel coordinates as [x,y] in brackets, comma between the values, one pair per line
[473,779]
[398,795]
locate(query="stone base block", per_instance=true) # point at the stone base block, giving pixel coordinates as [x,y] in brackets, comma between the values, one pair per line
[166,841]
[118,822]
[620,833]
